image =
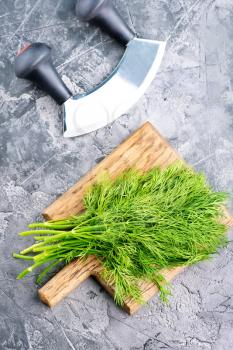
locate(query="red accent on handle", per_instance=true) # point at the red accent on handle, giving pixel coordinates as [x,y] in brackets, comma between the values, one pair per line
[24,48]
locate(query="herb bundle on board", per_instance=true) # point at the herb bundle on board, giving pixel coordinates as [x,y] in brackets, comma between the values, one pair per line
[137,225]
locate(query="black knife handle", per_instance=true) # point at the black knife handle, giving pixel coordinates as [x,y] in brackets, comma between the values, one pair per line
[34,63]
[104,14]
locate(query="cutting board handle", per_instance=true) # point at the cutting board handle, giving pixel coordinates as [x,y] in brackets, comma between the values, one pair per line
[68,279]
[105,15]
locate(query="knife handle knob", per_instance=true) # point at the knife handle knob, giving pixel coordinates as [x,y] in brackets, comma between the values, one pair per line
[34,63]
[104,14]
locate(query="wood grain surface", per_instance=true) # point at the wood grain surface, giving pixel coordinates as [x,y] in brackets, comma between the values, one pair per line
[143,150]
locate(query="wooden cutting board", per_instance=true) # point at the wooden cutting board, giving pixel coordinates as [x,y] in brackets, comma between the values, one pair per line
[143,150]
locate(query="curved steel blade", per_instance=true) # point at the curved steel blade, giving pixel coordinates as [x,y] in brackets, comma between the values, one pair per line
[128,82]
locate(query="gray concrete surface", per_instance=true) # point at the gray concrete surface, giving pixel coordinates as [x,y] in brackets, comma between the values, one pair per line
[190,103]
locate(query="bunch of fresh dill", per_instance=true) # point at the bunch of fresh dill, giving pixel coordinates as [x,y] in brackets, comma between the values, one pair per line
[137,224]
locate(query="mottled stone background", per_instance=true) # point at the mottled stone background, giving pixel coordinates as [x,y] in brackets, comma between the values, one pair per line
[190,103]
